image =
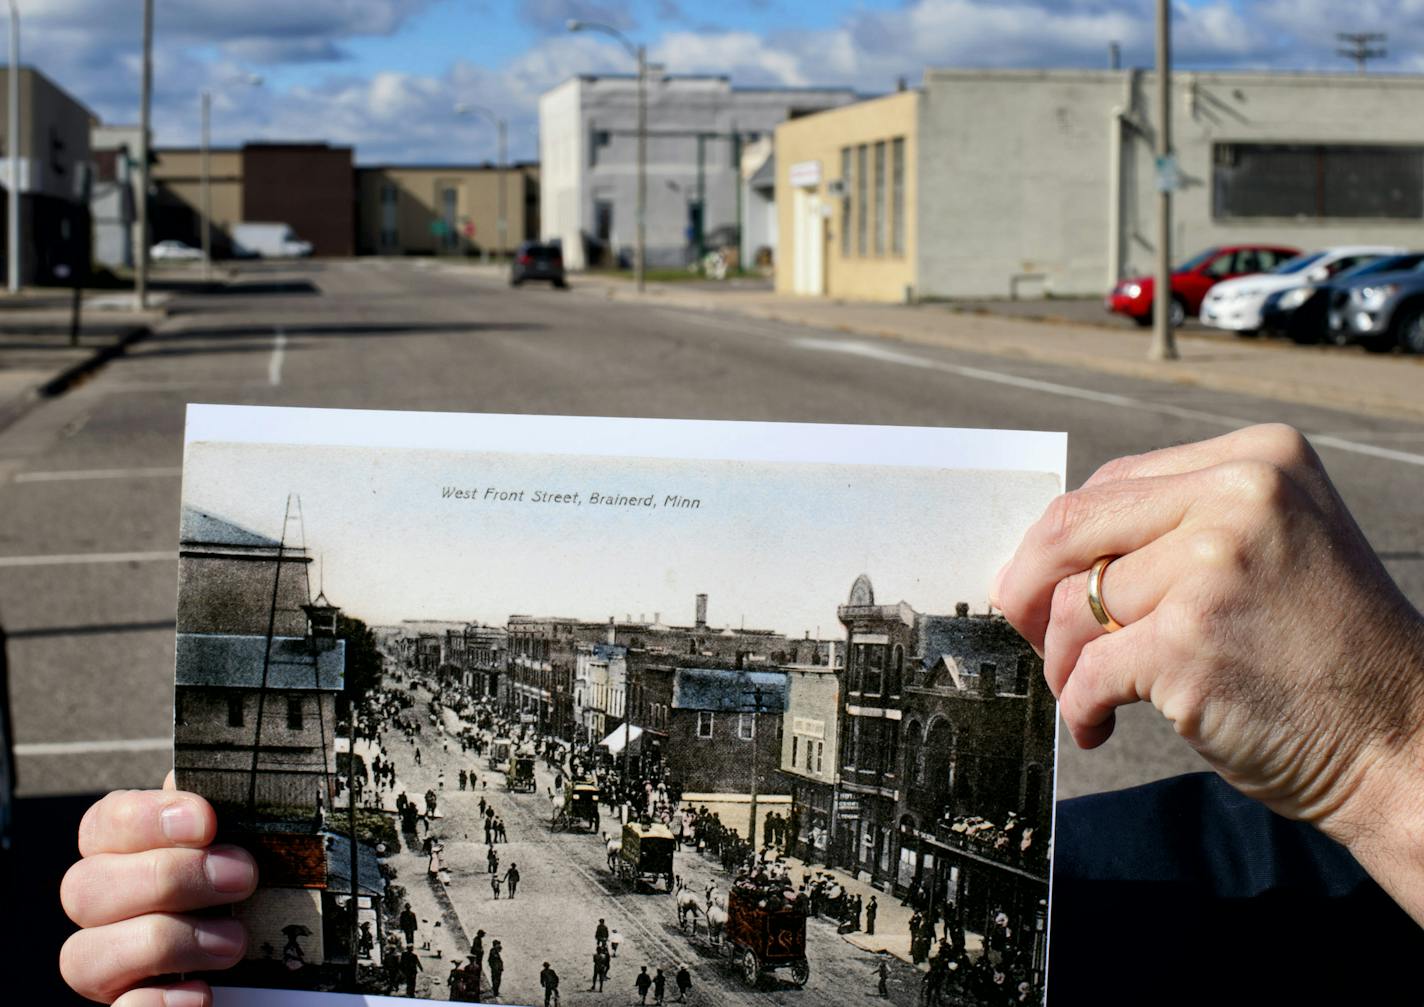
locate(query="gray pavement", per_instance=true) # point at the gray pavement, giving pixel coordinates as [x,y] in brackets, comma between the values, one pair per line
[89,482]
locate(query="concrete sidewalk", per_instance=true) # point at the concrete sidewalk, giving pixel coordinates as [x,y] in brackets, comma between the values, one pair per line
[38,358]
[1347,379]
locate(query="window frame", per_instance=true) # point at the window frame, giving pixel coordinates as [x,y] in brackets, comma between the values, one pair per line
[236,710]
[711,723]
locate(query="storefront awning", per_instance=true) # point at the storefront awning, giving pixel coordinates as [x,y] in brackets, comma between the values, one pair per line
[620,737]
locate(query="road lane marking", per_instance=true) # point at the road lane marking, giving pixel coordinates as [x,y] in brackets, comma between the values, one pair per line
[886,355]
[79,558]
[53,748]
[279,356]
[76,475]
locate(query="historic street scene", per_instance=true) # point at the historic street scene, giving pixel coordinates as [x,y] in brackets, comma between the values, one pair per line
[667,804]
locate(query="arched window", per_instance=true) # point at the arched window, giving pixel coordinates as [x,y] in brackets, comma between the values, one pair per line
[914,772]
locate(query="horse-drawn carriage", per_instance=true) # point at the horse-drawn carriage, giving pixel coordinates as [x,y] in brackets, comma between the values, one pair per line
[645,854]
[765,932]
[499,752]
[519,773]
[580,807]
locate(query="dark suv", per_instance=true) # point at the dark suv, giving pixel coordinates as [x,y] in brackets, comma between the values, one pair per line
[536,261]
[1381,311]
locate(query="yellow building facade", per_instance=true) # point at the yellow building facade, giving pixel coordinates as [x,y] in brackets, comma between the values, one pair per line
[451,210]
[846,190]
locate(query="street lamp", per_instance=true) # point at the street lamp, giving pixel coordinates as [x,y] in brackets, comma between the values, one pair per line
[639,53]
[13,141]
[251,80]
[502,128]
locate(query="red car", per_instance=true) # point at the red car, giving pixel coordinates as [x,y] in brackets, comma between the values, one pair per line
[1191,280]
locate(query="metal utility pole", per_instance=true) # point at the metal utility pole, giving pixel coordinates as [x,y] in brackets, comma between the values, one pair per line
[144,111]
[12,140]
[1359,47]
[207,103]
[756,693]
[640,53]
[1164,344]
[502,130]
[351,795]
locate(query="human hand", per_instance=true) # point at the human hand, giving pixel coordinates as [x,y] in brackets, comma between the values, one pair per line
[147,860]
[1256,618]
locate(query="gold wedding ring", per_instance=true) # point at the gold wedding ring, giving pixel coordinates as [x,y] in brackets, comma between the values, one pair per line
[1095,595]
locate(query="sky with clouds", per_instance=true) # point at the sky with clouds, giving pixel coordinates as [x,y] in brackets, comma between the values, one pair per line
[385,75]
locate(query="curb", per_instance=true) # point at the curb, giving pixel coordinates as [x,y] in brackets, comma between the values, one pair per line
[17,408]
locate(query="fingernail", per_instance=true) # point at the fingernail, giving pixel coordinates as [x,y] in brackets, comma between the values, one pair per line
[181,823]
[184,998]
[221,939]
[228,869]
[998,583]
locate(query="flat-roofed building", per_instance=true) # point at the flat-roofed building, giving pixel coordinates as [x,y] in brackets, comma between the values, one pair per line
[445,209]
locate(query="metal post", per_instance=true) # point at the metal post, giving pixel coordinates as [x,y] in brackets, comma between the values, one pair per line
[144,113]
[1164,345]
[351,793]
[701,195]
[640,262]
[737,179]
[207,103]
[13,141]
[751,829]
[503,128]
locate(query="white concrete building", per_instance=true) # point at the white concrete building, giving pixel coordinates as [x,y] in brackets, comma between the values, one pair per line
[697,125]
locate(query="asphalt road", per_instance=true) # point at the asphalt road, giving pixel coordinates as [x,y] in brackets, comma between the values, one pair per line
[89,483]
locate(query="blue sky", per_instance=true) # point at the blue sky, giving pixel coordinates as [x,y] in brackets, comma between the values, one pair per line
[384,75]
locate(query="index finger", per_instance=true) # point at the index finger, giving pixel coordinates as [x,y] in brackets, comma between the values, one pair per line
[130,821]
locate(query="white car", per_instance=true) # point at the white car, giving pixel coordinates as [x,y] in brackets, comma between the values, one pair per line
[1236,305]
[175,251]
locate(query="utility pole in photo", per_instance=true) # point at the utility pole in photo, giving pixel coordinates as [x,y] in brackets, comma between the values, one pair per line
[144,154]
[1164,343]
[1359,46]
[12,140]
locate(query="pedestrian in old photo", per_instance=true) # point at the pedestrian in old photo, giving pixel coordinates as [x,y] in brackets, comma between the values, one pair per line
[511,878]
[870,910]
[684,983]
[882,973]
[496,967]
[477,946]
[408,925]
[495,882]
[614,939]
[600,969]
[549,979]
[642,983]
[492,859]
[659,986]
[600,933]
[410,965]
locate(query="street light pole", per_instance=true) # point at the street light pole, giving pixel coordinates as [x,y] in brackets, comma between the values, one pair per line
[640,53]
[207,104]
[13,141]
[501,126]
[145,106]
[1164,344]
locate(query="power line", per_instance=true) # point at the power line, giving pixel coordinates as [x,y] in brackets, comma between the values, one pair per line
[1360,47]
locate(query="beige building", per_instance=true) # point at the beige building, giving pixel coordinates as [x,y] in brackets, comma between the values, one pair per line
[845,193]
[445,209]
[178,203]
[1036,182]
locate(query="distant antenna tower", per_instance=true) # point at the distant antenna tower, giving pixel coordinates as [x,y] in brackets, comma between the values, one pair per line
[1360,47]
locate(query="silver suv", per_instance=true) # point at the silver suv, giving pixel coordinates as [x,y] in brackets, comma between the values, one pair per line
[1381,311]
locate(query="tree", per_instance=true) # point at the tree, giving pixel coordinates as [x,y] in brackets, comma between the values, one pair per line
[364,663]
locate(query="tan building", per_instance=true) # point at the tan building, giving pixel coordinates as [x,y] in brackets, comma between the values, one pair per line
[178,204]
[445,209]
[845,189]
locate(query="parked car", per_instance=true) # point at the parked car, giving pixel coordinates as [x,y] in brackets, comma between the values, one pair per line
[268,241]
[173,250]
[1381,311]
[535,260]
[1191,280]
[1236,305]
[1302,313]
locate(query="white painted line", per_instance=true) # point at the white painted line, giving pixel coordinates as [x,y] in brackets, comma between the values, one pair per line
[42,748]
[889,356]
[279,355]
[76,559]
[79,475]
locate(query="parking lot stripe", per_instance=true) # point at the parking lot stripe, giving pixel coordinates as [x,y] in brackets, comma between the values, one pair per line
[76,559]
[78,475]
[52,748]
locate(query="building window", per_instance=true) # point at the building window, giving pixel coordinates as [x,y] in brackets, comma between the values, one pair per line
[881,221]
[820,746]
[234,710]
[861,203]
[704,724]
[178,707]
[294,713]
[746,726]
[897,196]
[1317,180]
[449,209]
[845,201]
[794,741]
[873,657]
[897,672]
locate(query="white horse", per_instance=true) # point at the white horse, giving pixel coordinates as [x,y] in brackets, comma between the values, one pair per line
[615,849]
[716,921]
[688,906]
